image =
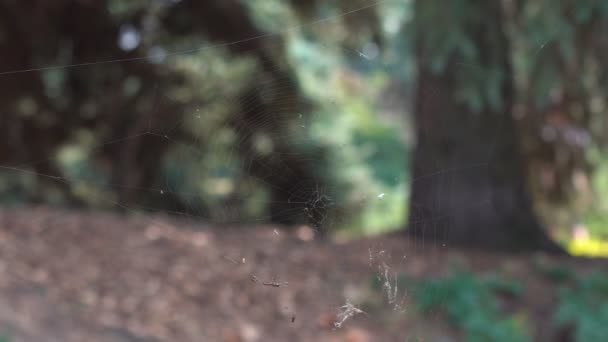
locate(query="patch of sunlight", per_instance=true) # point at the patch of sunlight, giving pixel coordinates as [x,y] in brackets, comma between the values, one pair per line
[589,246]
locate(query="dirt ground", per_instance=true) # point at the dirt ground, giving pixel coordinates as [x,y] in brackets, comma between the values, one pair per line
[79,276]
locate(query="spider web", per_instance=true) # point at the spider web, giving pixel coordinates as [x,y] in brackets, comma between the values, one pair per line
[308,198]
[311,200]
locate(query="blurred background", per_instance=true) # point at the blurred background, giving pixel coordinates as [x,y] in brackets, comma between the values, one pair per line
[226,112]
[106,104]
[313,114]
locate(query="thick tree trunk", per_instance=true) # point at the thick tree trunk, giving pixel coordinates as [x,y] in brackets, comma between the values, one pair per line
[468,182]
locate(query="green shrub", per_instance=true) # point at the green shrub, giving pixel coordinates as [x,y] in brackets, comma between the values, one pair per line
[556,273]
[585,307]
[471,304]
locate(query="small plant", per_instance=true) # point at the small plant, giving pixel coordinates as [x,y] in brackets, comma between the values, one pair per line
[585,307]
[556,273]
[503,286]
[471,304]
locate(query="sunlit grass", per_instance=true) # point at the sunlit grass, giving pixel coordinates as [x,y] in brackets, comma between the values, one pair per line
[591,247]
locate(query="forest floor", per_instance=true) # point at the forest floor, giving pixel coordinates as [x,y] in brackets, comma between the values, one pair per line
[86,276]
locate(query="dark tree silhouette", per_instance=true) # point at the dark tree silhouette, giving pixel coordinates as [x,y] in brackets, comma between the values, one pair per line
[469,182]
[230,22]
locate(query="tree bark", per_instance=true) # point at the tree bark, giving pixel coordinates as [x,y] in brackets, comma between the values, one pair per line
[468,184]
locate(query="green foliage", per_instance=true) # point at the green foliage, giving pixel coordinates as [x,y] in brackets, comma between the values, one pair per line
[367,154]
[471,304]
[271,15]
[479,75]
[498,284]
[596,218]
[171,132]
[556,273]
[385,153]
[558,58]
[585,307]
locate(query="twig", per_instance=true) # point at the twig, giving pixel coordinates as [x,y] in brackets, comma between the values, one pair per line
[274,283]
